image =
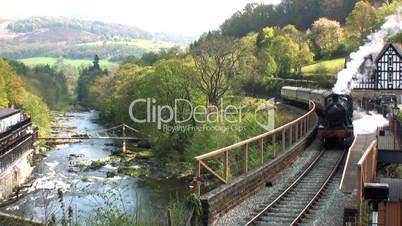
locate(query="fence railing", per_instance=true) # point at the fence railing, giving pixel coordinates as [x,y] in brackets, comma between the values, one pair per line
[279,139]
[366,173]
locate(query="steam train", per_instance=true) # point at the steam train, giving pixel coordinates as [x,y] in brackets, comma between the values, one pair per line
[335,110]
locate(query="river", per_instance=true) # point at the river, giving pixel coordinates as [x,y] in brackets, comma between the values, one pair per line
[87,191]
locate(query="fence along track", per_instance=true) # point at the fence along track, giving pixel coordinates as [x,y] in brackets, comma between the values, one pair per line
[290,134]
[294,203]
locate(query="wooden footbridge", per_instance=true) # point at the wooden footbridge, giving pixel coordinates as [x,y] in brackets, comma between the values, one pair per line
[120,132]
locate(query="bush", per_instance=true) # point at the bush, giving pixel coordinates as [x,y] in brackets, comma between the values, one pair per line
[97,164]
[111,174]
[133,172]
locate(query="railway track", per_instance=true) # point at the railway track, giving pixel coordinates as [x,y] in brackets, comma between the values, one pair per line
[292,205]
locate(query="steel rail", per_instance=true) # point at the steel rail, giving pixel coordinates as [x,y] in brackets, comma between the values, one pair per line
[289,189]
[317,196]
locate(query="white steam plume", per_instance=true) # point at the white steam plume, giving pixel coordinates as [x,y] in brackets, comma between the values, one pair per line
[392,26]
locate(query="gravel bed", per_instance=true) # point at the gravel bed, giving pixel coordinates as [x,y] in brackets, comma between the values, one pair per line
[248,208]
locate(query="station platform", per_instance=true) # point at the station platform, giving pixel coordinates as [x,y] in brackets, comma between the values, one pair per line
[349,176]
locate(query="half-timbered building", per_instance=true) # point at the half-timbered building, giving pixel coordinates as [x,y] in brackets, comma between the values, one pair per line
[385,73]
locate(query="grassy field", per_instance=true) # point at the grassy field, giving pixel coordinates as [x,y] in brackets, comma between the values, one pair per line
[151,45]
[51,61]
[328,66]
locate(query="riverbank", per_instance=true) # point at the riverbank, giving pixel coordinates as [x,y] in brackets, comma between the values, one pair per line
[142,195]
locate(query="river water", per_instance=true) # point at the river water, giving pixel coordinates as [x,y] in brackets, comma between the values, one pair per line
[87,191]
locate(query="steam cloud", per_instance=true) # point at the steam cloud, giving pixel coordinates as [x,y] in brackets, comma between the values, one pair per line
[392,26]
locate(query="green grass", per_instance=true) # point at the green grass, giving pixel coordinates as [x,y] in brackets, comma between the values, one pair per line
[332,66]
[151,45]
[52,61]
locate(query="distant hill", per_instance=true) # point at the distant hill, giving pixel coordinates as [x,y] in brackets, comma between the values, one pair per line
[44,29]
[79,39]
[57,35]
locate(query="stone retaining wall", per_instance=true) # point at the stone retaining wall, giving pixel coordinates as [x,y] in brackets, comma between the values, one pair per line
[218,201]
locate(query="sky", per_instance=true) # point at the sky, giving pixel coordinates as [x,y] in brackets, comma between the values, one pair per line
[183,17]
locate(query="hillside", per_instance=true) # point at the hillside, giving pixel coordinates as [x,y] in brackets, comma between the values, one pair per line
[44,29]
[78,39]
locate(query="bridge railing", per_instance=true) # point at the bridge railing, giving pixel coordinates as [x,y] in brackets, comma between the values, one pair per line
[279,139]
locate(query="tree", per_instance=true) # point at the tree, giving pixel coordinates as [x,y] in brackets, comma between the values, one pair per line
[284,49]
[88,77]
[265,37]
[249,66]
[360,23]
[13,93]
[326,36]
[96,66]
[216,61]
[387,8]
[303,56]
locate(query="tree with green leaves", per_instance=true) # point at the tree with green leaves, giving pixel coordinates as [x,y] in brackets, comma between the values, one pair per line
[13,92]
[360,23]
[284,50]
[87,78]
[216,63]
[96,66]
[326,36]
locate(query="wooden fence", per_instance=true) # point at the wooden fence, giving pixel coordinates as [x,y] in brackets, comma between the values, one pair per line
[366,173]
[281,138]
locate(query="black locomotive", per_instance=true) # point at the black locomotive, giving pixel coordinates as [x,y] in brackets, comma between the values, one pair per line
[337,122]
[336,111]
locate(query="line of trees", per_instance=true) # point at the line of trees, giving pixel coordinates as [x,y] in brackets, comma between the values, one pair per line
[113,52]
[301,13]
[47,82]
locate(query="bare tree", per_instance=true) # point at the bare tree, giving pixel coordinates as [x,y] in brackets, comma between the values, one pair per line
[216,61]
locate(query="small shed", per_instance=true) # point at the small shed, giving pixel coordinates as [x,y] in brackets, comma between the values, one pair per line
[390,212]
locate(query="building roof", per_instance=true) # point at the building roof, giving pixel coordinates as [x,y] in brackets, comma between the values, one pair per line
[5,112]
[396,46]
[395,188]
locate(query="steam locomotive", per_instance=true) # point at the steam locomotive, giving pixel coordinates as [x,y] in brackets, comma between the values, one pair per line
[336,111]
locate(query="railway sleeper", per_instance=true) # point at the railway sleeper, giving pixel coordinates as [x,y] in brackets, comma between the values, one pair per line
[278,219]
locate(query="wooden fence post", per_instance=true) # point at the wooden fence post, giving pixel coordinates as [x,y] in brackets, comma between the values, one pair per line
[274,144]
[245,159]
[226,166]
[291,135]
[262,150]
[198,176]
[283,139]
